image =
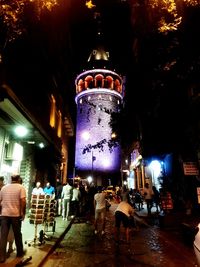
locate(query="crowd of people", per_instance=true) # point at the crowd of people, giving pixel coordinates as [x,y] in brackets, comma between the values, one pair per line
[82,201]
[148,195]
[74,199]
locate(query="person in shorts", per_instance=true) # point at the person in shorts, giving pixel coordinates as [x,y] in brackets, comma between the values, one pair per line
[123,214]
[100,210]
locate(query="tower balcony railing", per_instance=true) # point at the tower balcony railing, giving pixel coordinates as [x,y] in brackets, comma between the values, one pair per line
[98,79]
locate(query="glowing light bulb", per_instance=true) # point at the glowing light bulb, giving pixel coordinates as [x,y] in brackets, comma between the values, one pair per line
[21,131]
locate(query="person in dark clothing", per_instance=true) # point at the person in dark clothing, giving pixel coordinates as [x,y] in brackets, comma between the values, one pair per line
[138,200]
[90,211]
[148,196]
[156,198]
[58,198]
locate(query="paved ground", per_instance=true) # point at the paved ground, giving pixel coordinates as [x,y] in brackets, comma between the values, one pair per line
[150,247]
[35,249]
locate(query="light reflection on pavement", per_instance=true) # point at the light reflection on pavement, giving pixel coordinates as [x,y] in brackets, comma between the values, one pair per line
[150,247]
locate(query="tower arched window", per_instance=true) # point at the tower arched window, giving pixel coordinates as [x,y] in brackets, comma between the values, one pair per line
[118,86]
[109,81]
[89,82]
[80,86]
[99,81]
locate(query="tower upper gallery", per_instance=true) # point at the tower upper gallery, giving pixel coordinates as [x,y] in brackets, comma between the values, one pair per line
[99,76]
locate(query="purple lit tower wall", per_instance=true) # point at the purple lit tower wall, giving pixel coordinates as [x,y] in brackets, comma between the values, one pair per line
[99,93]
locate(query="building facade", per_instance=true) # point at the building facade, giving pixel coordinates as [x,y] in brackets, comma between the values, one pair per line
[35,121]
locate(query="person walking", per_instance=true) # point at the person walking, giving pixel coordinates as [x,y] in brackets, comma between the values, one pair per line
[76,195]
[58,198]
[156,198]
[91,190]
[13,204]
[124,194]
[123,214]
[100,210]
[148,197]
[66,196]
[138,200]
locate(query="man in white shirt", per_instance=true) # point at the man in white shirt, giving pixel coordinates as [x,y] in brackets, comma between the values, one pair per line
[100,210]
[38,190]
[13,204]
[148,196]
[122,215]
[66,196]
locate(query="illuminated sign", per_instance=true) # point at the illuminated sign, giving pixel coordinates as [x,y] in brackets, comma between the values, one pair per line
[190,168]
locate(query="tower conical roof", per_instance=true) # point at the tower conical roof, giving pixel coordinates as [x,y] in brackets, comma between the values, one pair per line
[99,58]
[98,54]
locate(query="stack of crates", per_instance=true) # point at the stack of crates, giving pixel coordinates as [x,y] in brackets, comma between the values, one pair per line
[49,213]
[37,209]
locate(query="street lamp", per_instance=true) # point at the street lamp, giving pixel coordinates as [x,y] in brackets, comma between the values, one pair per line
[21,131]
[93,159]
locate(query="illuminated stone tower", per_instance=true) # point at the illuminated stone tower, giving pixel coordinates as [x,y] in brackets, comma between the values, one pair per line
[98,94]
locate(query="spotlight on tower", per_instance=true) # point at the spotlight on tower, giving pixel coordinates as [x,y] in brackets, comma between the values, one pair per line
[85,135]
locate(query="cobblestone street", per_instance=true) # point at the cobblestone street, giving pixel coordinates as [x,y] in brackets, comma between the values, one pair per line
[149,246]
